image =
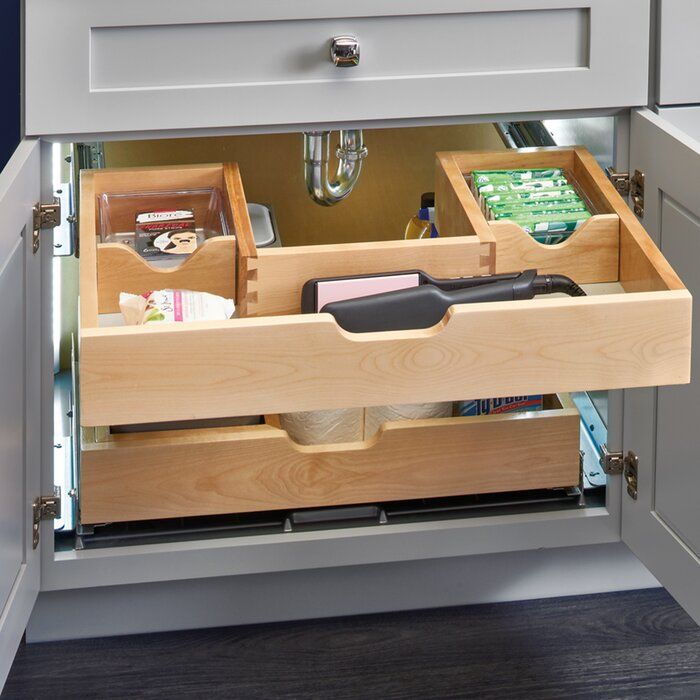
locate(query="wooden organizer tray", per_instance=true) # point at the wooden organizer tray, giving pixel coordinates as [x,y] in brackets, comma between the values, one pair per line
[209,471]
[277,361]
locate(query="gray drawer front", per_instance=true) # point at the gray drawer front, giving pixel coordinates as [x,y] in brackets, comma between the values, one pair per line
[99,66]
[678,71]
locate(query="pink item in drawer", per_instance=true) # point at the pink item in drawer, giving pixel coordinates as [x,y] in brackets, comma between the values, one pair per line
[338,290]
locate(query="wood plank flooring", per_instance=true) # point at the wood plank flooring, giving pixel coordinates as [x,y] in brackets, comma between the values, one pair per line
[637,644]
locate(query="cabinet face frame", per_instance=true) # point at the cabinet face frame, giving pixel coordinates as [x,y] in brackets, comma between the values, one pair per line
[382,544]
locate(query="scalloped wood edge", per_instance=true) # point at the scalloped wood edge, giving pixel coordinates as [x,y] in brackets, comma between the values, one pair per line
[591,254]
[221,266]
[254,366]
[121,269]
[219,470]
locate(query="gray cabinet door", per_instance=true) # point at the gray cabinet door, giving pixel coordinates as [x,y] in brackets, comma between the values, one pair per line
[662,527]
[20,396]
[96,66]
[678,52]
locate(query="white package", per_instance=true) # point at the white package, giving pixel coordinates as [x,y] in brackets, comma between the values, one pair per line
[174,305]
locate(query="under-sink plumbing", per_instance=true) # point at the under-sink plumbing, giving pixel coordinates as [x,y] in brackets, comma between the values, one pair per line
[316,155]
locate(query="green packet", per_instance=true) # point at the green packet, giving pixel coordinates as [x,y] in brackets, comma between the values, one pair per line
[520,214]
[485,176]
[550,238]
[521,185]
[537,202]
[503,198]
[540,206]
[551,223]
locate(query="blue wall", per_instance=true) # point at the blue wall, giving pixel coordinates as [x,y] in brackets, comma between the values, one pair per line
[9,78]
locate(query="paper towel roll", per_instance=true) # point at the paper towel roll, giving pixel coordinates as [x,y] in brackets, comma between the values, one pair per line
[376,415]
[322,427]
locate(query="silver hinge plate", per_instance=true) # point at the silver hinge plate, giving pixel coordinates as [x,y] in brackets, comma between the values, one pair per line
[620,180]
[611,462]
[632,187]
[620,463]
[45,216]
[45,508]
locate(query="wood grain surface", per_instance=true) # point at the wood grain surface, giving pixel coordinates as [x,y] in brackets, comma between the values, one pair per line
[106,269]
[254,366]
[282,272]
[633,645]
[211,268]
[280,364]
[590,255]
[236,470]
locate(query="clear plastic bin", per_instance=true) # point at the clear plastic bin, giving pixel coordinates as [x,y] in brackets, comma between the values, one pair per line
[117,215]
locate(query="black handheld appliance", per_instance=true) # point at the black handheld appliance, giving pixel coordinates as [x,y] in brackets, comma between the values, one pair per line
[425,305]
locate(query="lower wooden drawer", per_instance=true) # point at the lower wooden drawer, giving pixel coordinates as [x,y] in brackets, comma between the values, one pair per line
[166,474]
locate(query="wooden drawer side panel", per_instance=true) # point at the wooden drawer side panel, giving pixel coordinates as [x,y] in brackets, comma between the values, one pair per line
[237,472]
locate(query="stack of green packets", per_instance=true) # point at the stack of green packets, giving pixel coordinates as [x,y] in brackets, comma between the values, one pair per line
[540,200]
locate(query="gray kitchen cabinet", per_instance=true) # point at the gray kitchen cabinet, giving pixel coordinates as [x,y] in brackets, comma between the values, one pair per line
[23,432]
[685,119]
[662,524]
[115,78]
[678,52]
[160,66]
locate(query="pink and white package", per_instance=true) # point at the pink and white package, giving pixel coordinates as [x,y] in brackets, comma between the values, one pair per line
[173,306]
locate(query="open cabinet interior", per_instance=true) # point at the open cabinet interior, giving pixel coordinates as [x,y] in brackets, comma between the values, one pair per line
[187,421]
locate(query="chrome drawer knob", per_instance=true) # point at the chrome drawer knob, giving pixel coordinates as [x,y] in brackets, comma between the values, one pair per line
[345,51]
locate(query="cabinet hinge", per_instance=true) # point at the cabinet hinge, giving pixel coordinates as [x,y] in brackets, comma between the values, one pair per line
[45,508]
[620,180]
[620,463]
[45,216]
[632,187]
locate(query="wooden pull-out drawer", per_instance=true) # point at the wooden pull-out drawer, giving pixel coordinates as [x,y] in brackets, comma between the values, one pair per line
[632,330]
[167,474]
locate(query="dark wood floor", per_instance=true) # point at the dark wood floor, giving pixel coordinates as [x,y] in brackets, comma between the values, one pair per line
[621,645]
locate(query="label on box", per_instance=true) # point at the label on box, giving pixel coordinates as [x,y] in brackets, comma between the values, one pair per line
[507,404]
[167,232]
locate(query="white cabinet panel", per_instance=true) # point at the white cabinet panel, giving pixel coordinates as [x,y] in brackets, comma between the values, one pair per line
[678,71]
[98,66]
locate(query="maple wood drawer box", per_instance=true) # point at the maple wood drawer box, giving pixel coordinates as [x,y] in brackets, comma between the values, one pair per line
[632,330]
[209,471]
